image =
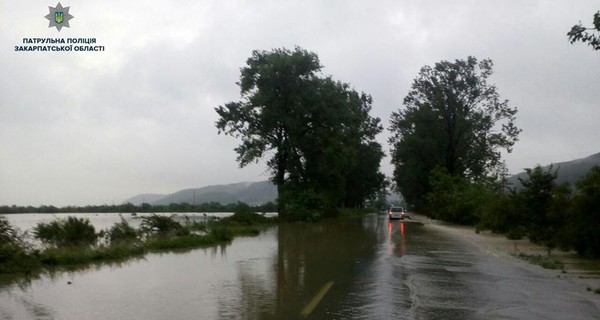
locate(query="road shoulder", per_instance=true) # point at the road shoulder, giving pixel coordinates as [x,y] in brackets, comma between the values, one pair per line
[582,272]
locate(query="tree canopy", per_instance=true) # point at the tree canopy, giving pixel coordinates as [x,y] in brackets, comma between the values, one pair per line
[454,119]
[590,35]
[317,133]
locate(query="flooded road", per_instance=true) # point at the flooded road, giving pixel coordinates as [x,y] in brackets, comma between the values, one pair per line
[366,268]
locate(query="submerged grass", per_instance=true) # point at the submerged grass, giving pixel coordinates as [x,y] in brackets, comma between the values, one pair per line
[72,256]
[183,242]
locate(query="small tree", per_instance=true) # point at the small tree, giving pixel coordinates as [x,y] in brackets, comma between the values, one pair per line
[541,202]
[586,215]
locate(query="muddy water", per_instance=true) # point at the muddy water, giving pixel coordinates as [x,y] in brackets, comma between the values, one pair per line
[366,268]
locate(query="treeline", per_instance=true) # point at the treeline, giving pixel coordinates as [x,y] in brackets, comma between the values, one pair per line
[144,207]
[547,213]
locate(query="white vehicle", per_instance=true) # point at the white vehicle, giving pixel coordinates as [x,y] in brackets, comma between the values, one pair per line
[396,212]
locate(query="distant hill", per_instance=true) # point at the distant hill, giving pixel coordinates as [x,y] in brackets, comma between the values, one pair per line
[148,198]
[568,172]
[252,193]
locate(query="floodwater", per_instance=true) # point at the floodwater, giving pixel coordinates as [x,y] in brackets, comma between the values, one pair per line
[365,268]
[101,221]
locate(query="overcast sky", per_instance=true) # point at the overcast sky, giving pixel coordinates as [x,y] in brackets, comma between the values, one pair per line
[99,127]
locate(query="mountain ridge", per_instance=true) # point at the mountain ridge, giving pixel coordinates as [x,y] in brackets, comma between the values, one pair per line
[568,171]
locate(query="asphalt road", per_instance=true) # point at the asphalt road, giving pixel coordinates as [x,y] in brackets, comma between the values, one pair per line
[423,273]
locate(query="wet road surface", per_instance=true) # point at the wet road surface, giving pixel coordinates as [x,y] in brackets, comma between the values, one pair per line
[422,273]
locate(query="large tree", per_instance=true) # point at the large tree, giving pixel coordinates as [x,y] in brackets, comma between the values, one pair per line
[314,130]
[451,118]
[338,157]
[590,35]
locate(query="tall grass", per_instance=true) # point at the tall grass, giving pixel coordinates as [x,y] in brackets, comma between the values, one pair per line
[15,254]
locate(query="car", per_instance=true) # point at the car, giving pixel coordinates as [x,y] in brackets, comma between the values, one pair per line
[395,212]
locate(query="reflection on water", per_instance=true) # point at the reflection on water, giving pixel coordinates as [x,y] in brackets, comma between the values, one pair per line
[396,237]
[307,257]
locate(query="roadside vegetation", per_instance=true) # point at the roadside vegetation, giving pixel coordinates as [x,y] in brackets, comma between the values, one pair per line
[74,242]
[556,216]
[542,261]
[446,148]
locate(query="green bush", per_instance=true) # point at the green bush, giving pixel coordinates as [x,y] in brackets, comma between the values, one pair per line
[160,223]
[15,259]
[503,213]
[305,204]
[15,255]
[455,199]
[245,215]
[516,233]
[8,234]
[71,231]
[122,231]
